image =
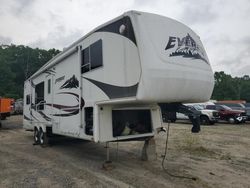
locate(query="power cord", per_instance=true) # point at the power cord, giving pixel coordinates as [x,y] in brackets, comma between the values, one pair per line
[164,158]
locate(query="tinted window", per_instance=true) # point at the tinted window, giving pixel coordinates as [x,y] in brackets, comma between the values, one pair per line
[212,107]
[85,56]
[49,86]
[27,99]
[219,108]
[96,54]
[85,60]
[92,57]
[39,95]
[247,104]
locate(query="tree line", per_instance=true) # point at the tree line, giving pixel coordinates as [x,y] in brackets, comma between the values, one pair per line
[18,62]
[227,87]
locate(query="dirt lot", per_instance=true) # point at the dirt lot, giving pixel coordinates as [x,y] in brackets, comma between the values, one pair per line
[219,156]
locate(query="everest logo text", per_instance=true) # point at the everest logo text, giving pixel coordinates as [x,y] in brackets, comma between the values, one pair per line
[186,47]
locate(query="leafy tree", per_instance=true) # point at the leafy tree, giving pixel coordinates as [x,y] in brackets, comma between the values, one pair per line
[17,63]
[228,88]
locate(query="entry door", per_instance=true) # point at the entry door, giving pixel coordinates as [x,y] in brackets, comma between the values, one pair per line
[49,91]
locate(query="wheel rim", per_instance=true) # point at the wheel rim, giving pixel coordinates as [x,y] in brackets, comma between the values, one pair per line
[41,137]
[36,136]
[204,120]
[231,120]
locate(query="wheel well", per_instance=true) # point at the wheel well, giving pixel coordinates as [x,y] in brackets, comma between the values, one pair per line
[49,131]
[232,116]
[203,115]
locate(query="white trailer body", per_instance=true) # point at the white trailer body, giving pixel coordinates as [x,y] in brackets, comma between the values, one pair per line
[106,86]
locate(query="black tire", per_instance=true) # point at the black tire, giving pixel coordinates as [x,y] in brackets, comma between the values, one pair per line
[211,122]
[43,138]
[204,120]
[173,120]
[36,136]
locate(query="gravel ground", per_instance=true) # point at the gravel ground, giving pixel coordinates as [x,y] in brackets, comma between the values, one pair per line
[219,156]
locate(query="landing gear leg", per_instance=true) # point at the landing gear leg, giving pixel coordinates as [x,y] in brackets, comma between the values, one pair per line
[149,150]
[107,165]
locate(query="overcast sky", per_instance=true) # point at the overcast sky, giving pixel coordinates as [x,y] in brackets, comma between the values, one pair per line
[223,25]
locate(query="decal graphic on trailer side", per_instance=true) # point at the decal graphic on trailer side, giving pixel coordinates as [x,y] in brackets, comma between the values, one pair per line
[70,83]
[113,91]
[71,110]
[186,47]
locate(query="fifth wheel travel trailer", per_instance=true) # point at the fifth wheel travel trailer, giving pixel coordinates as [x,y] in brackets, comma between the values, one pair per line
[113,83]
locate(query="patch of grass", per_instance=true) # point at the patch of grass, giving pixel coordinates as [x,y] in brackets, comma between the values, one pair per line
[202,151]
[192,144]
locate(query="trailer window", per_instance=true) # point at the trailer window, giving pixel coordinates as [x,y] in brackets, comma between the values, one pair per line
[96,54]
[49,86]
[131,122]
[27,99]
[92,57]
[89,120]
[39,97]
[85,60]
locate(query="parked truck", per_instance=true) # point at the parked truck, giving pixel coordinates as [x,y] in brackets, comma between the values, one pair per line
[228,114]
[5,108]
[207,116]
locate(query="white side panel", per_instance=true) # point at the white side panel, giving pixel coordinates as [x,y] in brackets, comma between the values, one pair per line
[175,67]
[66,115]
[27,123]
[121,66]
[105,123]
